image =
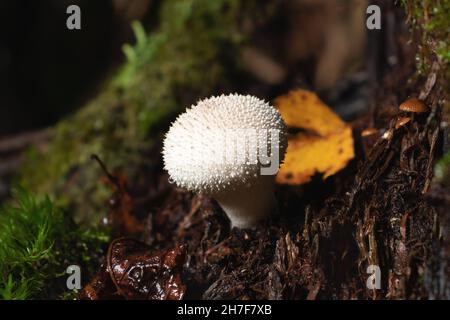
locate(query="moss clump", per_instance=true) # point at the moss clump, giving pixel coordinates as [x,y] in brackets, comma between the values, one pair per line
[37,244]
[442,170]
[191,55]
[431,21]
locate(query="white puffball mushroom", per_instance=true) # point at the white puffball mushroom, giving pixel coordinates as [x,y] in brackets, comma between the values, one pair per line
[217,147]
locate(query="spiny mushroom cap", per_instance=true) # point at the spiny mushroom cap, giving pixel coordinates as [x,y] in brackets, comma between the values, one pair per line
[196,144]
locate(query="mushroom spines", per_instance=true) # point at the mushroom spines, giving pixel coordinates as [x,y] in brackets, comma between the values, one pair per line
[199,152]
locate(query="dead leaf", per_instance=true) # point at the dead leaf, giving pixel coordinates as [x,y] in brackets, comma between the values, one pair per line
[133,271]
[121,204]
[325,146]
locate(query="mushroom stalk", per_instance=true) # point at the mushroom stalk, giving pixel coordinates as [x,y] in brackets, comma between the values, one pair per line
[248,206]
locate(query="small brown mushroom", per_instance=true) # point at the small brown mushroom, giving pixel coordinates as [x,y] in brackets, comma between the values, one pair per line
[401,121]
[413,105]
[369,132]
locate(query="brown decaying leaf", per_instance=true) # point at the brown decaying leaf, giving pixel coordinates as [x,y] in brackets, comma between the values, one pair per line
[121,204]
[133,271]
[325,147]
[121,207]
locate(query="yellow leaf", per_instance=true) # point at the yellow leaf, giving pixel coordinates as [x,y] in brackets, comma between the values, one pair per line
[303,109]
[326,146]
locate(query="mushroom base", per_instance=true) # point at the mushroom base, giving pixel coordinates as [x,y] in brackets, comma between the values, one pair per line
[247,206]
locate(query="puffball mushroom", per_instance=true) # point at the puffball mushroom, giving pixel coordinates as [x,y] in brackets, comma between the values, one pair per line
[221,147]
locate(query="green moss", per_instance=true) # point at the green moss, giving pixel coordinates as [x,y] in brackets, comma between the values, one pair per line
[431,21]
[37,244]
[442,170]
[192,54]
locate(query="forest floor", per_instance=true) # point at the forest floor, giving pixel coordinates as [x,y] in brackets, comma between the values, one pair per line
[384,213]
[383,218]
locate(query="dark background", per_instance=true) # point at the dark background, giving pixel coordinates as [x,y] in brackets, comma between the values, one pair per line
[47,70]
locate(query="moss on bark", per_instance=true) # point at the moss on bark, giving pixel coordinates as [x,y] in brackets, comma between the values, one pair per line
[192,54]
